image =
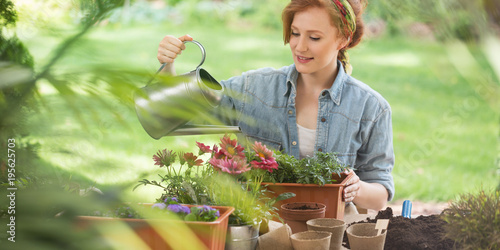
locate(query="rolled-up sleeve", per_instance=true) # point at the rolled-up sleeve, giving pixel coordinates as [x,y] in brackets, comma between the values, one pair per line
[375,159]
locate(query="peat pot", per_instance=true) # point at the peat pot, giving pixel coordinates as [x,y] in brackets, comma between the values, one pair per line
[308,240]
[363,236]
[335,226]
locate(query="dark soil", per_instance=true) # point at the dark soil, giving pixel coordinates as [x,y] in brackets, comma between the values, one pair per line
[423,232]
[293,206]
[305,207]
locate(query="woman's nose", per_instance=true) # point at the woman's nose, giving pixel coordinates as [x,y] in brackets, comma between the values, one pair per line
[301,45]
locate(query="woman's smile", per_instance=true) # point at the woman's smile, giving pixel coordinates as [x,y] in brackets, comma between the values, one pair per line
[302,59]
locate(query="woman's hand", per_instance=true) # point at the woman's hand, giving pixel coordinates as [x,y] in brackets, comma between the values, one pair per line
[170,47]
[352,188]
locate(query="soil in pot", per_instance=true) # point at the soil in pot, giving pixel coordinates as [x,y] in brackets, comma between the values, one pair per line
[298,213]
[423,232]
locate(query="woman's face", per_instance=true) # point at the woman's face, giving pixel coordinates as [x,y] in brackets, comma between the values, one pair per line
[314,42]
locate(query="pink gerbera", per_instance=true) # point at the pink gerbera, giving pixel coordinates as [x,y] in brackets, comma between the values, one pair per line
[265,156]
[203,148]
[230,148]
[231,166]
[164,158]
[218,154]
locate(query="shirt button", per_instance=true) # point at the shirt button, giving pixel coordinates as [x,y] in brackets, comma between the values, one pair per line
[323,119]
[320,150]
[324,93]
[294,143]
[290,112]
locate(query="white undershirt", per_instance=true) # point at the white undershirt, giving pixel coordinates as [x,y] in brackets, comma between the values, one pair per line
[307,139]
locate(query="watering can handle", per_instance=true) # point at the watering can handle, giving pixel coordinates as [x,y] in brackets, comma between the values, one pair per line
[203,55]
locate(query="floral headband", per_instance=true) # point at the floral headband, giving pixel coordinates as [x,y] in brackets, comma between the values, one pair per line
[347,16]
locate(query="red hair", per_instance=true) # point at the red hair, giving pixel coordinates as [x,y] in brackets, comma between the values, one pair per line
[296,6]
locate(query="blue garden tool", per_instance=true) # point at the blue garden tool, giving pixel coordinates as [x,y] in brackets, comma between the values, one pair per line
[406,212]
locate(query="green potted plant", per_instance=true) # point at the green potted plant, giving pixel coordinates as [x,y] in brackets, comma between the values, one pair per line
[321,178]
[231,176]
[241,172]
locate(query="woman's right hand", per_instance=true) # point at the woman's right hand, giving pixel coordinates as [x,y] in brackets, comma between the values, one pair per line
[170,47]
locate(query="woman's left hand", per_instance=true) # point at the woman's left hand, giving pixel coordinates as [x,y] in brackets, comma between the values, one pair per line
[352,188]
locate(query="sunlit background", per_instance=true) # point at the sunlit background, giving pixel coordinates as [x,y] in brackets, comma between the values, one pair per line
[436,62]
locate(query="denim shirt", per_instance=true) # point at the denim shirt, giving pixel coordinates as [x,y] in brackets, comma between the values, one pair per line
[354,121]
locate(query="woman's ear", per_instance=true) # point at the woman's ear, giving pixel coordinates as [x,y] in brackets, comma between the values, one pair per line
[343,43]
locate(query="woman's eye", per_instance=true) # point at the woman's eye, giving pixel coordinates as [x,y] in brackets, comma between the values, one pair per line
[314,38]
[295,34]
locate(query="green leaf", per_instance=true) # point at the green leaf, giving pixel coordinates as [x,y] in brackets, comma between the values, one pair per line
[284,196]
[190,217]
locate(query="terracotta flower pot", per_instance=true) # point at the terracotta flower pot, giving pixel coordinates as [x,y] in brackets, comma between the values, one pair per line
[161,233]
[334,226]
[307,240]
[364,236]
[298,213]
[330,194]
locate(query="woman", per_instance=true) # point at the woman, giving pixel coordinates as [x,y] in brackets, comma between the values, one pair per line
[313,104]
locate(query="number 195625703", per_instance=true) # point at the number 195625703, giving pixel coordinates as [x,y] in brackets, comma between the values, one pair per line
[11,158]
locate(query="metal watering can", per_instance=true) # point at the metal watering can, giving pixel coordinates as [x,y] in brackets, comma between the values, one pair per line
[166,106]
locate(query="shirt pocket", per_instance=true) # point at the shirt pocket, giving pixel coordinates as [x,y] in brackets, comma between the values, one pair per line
[270,144]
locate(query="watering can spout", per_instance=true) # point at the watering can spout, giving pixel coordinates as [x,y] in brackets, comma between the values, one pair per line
[166,106]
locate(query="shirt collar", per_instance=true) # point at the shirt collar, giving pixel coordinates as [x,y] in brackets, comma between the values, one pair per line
[291,80]
[335,91]
[338,84]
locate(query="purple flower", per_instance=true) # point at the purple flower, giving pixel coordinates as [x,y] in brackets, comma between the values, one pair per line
[176,208]
[186,210]
[171,199]
[159,205]
[208,209]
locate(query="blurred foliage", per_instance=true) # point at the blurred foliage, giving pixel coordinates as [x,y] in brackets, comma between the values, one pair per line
[41,200]
[474,220]
[15,66]
[44,219]
[7,13]
[449,19]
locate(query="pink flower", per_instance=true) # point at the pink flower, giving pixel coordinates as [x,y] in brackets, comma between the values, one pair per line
[192,160]
[230,148]
[203,148]
[267,161]
[231,166]
[164,158]
[268,165]
[218,154]
[261,151]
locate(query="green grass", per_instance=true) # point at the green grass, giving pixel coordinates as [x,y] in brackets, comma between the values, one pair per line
[445,134]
